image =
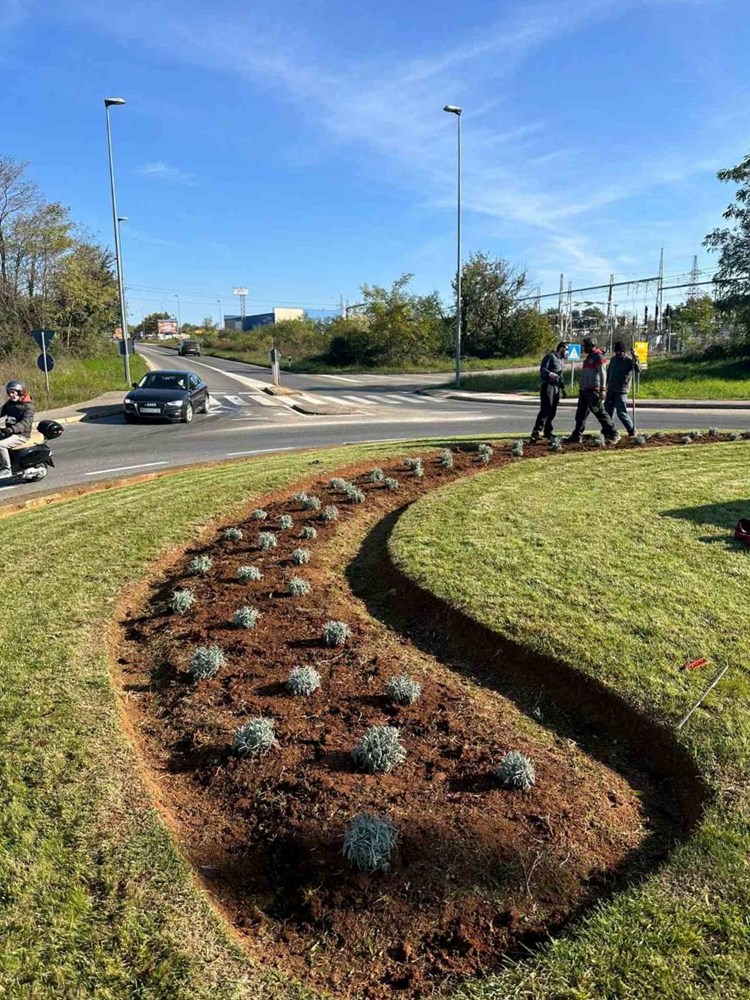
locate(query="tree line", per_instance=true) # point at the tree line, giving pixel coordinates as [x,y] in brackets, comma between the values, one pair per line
[53,274]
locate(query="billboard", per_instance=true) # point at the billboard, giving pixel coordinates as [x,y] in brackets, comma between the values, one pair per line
[166,327]
[239,291]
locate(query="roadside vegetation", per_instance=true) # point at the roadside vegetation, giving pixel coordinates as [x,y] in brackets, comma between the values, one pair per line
[622,566]
[73,379]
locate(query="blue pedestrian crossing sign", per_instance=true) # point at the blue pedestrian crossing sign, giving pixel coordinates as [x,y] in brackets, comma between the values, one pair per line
[573,352]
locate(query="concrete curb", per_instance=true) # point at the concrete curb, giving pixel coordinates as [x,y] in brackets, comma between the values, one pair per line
[646,404]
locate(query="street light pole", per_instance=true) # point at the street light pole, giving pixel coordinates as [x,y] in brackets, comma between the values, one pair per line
[179,317]
[108,102]
[454,110]
[220,324]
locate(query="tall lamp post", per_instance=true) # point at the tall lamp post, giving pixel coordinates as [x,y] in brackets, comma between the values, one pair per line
[452,109]
[220,324]
[179,317]
[108,102]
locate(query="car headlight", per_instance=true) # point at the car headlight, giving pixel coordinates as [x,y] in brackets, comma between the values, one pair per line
[175,402]
[129,401]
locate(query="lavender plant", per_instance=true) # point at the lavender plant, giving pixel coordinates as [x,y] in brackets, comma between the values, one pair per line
[303,681]
[515,770]
[286,522]
[231,535]
[377,476]
[246,574]
[256,738]
[369,841]
[301,556]
[391,484]
[267,540]
[312,503]
[201,565]
[298,587]
[206,662]
[354,494]
[445,458]
[259,515]
[308,533]
[335,633]
[380,749]
[182,601]
[403,690]
[330,513]
[517,449]
[245,617]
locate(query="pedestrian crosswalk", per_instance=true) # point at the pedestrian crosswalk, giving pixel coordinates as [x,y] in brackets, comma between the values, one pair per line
[245,401]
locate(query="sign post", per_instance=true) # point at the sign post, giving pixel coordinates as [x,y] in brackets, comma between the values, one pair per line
[45,362]
[573,354]
[640,351]
[275,356]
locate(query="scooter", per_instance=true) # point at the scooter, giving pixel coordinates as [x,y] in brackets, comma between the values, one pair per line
[29,462]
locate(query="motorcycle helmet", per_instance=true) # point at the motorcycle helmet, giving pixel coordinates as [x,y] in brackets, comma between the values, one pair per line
[49,429]
[15,386]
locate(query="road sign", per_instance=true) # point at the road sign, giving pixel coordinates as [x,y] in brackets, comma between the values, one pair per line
[43,338]
[573,352]
[274,355]
[128,345]
[641,349]
[45,362]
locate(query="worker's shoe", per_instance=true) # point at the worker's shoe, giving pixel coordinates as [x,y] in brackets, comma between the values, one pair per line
[6,474]
[573,439]
[534,437]
[614,439]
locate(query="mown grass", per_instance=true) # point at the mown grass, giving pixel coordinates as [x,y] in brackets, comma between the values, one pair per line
[623,566]
[72,380]
[666,378]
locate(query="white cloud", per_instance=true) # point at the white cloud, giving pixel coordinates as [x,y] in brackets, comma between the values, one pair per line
[165,172]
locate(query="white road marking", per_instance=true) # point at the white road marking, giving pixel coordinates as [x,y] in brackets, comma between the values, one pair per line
[265,400]
[126,468]
[259,451]
[310,398]
[360,399]
[339,378]
[336,400]
[386,400]
[235,400]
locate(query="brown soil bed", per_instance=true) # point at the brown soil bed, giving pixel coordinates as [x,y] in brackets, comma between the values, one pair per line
[479,871]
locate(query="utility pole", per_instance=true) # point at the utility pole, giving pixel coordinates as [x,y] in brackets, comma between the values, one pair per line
[610,331]
[569,322]
[659,295]
[560,310]
[693,290]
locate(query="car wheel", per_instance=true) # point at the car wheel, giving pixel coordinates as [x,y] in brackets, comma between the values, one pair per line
[187,413]
[204,408]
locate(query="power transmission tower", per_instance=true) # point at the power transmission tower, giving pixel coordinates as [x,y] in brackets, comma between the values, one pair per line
[570,308]
[610,323]
[560,323]
[659,295]
[693,289]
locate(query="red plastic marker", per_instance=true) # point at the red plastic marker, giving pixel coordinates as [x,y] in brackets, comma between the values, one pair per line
[694,664]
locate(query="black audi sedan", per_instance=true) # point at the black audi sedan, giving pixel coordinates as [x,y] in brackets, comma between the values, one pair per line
[166,395]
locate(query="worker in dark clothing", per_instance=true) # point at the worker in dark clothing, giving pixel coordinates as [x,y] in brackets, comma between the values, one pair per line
[551,385]
[619,376]
[591,395]
[18,414]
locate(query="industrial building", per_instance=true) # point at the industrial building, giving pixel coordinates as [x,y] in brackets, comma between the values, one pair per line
[261,319]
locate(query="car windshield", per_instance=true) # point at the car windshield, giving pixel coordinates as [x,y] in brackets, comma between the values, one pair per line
[163,380]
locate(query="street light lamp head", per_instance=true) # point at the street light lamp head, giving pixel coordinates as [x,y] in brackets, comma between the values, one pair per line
[109,101]
[453,109]
[122,218]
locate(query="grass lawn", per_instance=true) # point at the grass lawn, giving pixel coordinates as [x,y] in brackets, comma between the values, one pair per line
[74,380]
[623,566]
[94,899]
[666,378]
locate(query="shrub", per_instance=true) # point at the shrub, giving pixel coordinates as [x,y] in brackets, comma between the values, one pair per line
[338,484]
[298,587]
[640,439]
[201,564]
[286,522]
[485,453]
[445,458]
[402,690]
[206,662]
[686,440]
[267,540]
[517,449]
[303,681]
[312,503]
[658,434]
[308,532]
[300,557]
[600,441]
[299,497]
[735,437]
[335,633]
[377,476]
[391,484]
[409,463]
[380,749]
[255,739]
[259,515]
[245,574]
[556,445]
[515,770]
[330,513]
[696,434]
[182,601]
[231,535]
[246,617]
[354,494]
[417,468]
[369,841]
[713,432]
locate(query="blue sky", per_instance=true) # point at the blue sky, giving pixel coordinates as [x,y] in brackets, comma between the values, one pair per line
[300,149]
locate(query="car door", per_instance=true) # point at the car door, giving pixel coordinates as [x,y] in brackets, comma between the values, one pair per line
[197,392]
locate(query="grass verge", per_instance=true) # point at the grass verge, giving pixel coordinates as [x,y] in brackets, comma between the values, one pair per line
[94,899]
[73,380]
[623,568]
[666,378]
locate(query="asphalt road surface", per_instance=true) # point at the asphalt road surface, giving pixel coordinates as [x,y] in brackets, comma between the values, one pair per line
[245,421]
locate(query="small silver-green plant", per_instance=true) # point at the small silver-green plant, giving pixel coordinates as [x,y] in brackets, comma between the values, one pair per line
[658,434]
[335,633]
[247,574]
[369,841]
[640,439]
[286,521]
[354,494]
[201,565]
[330,513]
[556,445]
[696,434]
[301,556]
[298,587]
[245,617]
[445,458]
[735,436]
[299,497]
[256,738]
[338,484]
[713,432]
[484,453]
[377,476]
[417,468]
[600,441]
[232,535]
[308,533]
[517,449]
[409,463]
[182,601]
[206,662]
[391,484]
[303,681]
[267,540]
[403,690]
[259,515]
[687,439]
[380,749]
[515,770]
[312,503]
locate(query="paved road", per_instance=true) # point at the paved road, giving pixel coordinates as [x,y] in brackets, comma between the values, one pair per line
[244,420]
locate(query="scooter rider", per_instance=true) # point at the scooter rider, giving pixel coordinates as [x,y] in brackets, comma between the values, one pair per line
[18,412]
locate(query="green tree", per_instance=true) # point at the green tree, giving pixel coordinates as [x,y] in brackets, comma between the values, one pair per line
[148,328]
[84,298]
[695,320]
[489,292]
[732,244]
[529,332]
[402,326]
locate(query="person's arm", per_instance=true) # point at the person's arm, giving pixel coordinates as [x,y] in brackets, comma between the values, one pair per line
[601,377]
[25,423]
[545,372]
